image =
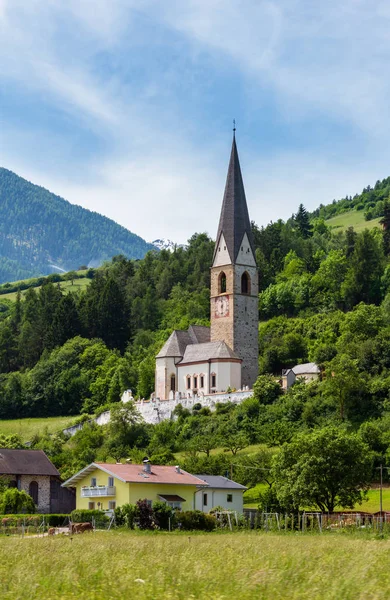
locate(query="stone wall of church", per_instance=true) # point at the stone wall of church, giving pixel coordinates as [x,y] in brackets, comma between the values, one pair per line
[221,328]
[246,324]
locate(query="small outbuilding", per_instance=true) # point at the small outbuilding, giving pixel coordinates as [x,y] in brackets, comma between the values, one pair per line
[33,472]
[221,491]
[308,371]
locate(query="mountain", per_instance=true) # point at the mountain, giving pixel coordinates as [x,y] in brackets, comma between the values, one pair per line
[41,232]
[165,244]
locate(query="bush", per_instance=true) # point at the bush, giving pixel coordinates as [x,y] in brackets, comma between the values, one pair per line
[126,515]
[195,520]
[14,501]
[51,520]
[164,515]
[86,516]
[145,515]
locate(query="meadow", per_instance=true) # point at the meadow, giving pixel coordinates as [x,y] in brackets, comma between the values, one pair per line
[352,218]
[27,428]
[67,286]
[215,566]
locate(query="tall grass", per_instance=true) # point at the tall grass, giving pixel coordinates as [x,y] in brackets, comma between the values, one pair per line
[247,565]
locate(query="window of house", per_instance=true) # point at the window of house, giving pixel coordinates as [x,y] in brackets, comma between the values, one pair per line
[213,380]
[110,482]
[111,505]
[195,382]
[222,283]
[175,504]
[173,383]
[93,481]
[33,491]
[188,383]
[229,498]
[91,505]
[204,499]
[245,283]
[201,381]
[149,503]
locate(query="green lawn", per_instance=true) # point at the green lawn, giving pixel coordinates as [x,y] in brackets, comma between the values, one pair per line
[78,284]
[27,428]
[353,218]
[372,505]
[182,566]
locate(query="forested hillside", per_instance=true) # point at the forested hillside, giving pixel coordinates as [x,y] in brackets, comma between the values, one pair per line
[325,297]
[39,229]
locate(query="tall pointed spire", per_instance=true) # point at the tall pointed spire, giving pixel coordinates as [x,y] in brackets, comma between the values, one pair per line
[234,220]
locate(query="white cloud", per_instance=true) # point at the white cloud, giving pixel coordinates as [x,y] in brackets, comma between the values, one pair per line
[327,60]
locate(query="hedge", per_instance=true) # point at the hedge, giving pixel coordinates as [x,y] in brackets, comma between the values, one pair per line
[53,520]
[86,516]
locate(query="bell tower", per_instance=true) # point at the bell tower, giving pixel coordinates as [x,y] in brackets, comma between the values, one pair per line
[234,311]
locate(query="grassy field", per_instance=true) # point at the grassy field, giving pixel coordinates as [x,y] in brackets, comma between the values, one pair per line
[78,284]
[353,218]
[372,504]
[27,428]
[247,565]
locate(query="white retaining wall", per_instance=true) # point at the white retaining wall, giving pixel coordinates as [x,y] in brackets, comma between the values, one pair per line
[154,411]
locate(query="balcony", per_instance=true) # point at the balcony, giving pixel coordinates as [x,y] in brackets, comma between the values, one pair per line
[98,491]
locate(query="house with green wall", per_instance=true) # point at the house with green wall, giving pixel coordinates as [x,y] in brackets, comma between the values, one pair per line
[105,486]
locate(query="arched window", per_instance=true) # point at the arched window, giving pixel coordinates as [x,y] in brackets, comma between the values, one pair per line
[222,283]
[173,383]
[245,284]
[213,380]
[33,491]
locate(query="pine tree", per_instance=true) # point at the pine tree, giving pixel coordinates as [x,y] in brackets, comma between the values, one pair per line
[385,221]
[303,222]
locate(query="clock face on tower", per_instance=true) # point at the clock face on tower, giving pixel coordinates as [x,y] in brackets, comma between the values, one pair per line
[222,306]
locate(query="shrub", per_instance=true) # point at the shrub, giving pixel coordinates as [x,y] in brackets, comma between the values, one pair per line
[86,516]
[53,520]
[145,515]
[195,520]
[163,515]
[14,501]
[126,515]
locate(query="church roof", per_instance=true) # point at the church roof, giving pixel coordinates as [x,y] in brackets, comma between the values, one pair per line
[199,333]
[176,344]
[208,351]
[234,220]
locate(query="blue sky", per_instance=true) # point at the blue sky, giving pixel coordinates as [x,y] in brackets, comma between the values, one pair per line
[126,106]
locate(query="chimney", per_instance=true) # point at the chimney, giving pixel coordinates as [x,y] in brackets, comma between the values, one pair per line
[177,469]
[147,465]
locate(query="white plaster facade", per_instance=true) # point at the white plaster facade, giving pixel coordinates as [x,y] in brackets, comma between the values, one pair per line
[229,499]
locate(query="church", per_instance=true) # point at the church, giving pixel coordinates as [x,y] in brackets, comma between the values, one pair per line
[223,357]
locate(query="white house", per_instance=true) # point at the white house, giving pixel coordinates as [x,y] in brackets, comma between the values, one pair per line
[221,491]
[308,371]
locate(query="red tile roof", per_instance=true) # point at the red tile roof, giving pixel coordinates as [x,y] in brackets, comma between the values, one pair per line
[158,474]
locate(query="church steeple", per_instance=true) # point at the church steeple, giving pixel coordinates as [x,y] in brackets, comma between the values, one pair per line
[234,220]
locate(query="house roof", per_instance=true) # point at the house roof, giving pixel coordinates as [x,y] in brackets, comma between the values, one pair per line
[25,462]
[223,483]
[306,368]
[234,220]
[208,351]
[168,475]
[178,341]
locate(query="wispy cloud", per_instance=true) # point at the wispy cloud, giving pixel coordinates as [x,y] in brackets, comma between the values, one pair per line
[136,97]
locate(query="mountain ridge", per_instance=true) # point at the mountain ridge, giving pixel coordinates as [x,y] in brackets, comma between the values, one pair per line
[39,229]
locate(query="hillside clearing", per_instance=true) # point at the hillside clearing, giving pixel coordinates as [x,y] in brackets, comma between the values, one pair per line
[78,284]
[27,428]
[213,566]
[353,218]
